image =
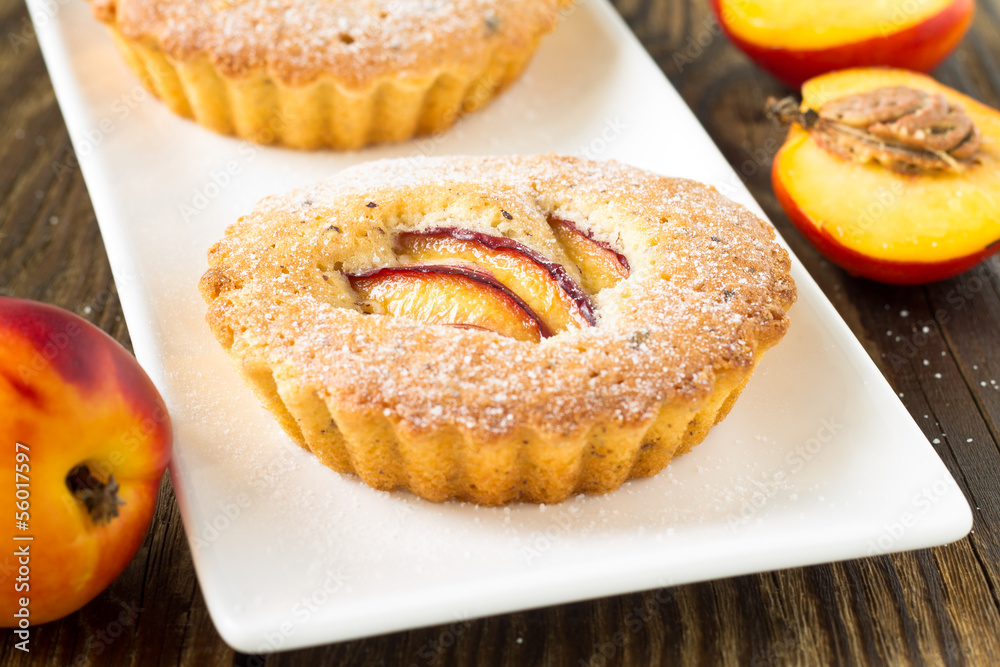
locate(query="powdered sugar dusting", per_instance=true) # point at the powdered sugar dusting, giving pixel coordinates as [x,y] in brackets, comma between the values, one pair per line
[708,286]
[357,41]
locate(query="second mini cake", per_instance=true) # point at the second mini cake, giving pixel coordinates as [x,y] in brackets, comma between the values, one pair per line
[337,73]
[498,329]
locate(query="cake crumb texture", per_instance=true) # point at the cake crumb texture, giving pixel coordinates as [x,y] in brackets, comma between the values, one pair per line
[451,412]
[334,73]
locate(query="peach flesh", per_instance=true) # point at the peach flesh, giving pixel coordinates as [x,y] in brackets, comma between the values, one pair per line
[437,294]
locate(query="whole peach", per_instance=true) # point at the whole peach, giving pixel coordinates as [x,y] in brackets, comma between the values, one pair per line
[84,441]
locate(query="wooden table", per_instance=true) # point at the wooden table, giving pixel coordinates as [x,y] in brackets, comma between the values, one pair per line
[936,606]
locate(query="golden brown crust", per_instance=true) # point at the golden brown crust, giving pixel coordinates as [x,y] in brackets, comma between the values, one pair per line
[435,408]
[340,74]
[359,41]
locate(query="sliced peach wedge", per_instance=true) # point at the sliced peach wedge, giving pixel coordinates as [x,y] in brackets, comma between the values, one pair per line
[798,39]
[456,295]
[892,175]
[544,285]
[601,265]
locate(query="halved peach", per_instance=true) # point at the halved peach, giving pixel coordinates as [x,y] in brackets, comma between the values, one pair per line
[601,265]
[457,295]
[798,40]
[883,224]
[543,284]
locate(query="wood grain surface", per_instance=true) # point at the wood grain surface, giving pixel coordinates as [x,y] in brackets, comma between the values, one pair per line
[937,606]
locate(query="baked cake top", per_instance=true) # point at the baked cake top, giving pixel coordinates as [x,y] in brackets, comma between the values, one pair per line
[356,40]
[707,288]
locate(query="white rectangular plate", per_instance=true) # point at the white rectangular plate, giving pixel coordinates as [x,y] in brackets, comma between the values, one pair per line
[818,462]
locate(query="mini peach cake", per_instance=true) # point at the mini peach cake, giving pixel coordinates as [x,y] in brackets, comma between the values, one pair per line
[335,73]
[498,329]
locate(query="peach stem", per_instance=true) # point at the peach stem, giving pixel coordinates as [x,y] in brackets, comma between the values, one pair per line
[101,499]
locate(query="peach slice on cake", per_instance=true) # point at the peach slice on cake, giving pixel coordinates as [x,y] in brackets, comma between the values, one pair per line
[543,284]
[891,175]
[456,295]
[601,265]
[798,39]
